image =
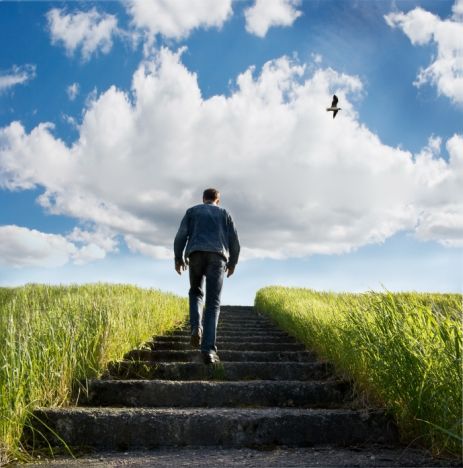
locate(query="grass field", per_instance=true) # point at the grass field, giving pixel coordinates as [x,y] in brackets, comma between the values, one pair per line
[51,336]
[403,350]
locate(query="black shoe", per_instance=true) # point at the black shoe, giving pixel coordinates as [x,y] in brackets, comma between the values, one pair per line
[195,339]
[210,357]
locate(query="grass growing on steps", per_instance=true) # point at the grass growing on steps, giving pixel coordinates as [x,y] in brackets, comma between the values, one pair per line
[51,336]
[403,350]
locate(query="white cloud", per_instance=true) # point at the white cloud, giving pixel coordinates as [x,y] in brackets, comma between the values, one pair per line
[89,31]
[296,181]
[69,119]
[265,14]
[445,227]
[458,8]
[442,220]
[93,245]
[16,75]
[172,19]
[317,58]
[101,237]
[72,91]
[155,251]
[22,247]
[423,27]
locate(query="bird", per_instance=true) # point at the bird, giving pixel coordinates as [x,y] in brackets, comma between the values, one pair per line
[334,106]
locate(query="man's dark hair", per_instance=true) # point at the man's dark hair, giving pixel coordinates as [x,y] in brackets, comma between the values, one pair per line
[211,194]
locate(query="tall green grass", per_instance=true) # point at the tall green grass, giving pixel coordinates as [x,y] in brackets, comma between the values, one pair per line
[51,336]
[402,350]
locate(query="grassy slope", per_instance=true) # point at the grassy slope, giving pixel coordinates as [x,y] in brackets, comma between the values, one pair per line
[50,336]
[403,351]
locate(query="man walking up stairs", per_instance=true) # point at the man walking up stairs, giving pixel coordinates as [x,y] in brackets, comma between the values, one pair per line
[208,235]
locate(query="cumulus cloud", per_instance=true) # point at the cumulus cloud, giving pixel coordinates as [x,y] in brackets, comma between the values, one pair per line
[173,20]
[72,91]
[442,220]
[446,68]
[457,8]
[88,31]
[296,181]
[92,245]
[21,247]
[265,14]
[16,75]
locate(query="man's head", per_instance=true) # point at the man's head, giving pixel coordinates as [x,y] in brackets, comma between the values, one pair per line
[211,195]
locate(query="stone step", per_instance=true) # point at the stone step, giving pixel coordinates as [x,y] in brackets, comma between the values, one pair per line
[132,428]
[222,371]
[244,331]
[242,314]
[255,393]
[249,325]
[234,333]
[243,346]
[240,326]
[195,356]
[239,310]
[244,317]
[245,321]
[227,328]
[223,339]
[319,455]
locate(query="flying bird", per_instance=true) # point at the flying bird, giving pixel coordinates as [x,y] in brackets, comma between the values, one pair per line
[334,106]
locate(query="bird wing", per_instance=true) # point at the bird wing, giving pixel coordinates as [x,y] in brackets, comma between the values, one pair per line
[334,113]
[335,101]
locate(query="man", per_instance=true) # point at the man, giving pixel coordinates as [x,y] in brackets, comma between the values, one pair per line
[212,248]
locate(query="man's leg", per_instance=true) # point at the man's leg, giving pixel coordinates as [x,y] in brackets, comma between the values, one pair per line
[215,270]
[196,292]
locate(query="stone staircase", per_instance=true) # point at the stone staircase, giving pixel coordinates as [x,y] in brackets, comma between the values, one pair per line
[267,391]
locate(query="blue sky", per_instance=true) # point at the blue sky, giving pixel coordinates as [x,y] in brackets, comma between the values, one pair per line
[114,116]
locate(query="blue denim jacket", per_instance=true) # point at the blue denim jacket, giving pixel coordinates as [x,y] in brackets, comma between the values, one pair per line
[210,228]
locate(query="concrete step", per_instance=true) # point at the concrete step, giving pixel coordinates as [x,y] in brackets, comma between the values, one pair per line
[265,326]
[243,346]
[255,393]
[234,333]
[240,326]
[223,339]
[324,455]
[238,309]
[245,321]
[195,356]
[237,330]
[244,317]
[131,428]
[223,371]
[227,328]
[248,330]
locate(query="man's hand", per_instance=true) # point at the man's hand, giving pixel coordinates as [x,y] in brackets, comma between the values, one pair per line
[180,266]
[230,270]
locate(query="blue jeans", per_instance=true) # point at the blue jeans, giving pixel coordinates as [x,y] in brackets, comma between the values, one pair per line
[210,266]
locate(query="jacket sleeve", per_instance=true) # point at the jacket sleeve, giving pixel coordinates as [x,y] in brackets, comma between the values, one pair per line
[181,238]
[233,243]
